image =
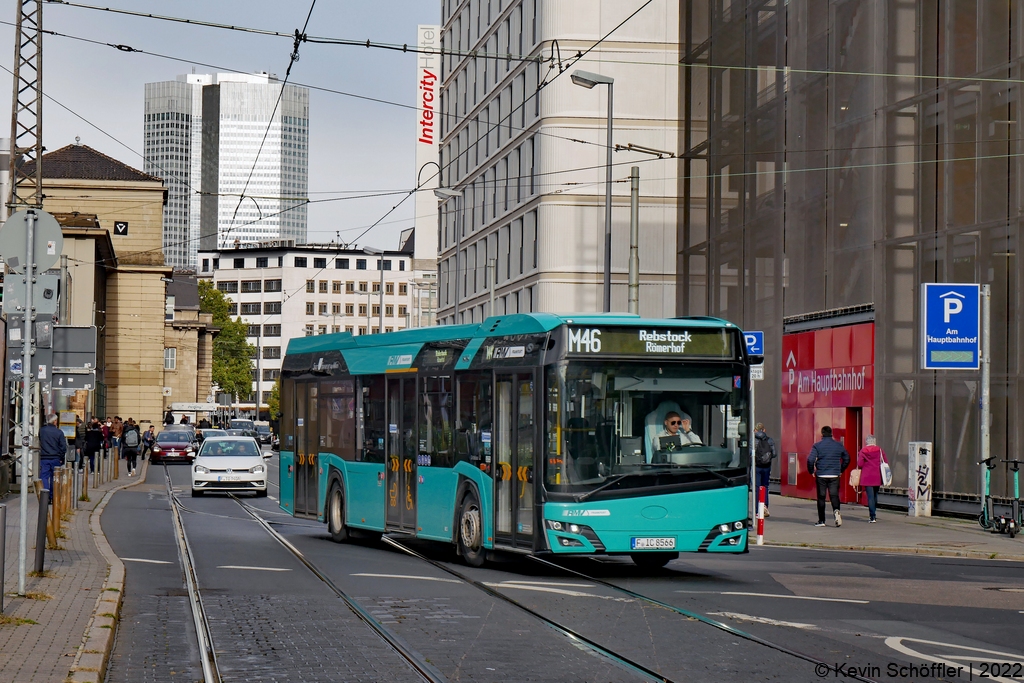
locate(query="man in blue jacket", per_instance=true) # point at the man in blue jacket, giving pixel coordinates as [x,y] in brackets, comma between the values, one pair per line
[53,447]
[827,461]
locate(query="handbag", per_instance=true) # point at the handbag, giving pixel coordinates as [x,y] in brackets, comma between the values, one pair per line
[886,473]
[855,478]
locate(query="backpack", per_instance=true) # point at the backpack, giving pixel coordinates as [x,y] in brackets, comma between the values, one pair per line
[764,451]
[131,439]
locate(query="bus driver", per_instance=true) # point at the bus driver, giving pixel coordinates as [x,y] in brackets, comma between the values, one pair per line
[677,425]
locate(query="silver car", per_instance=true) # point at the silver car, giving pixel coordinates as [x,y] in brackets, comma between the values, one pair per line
[229,463]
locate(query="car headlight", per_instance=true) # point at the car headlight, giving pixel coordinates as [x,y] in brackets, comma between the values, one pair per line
[256,469]
[201,470]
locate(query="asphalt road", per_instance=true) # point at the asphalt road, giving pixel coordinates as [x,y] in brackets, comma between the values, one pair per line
[273,620]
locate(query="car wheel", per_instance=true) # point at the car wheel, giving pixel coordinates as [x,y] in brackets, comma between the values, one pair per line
[336,514]
[652,560]
[471,531]
[197,493]
[261,493]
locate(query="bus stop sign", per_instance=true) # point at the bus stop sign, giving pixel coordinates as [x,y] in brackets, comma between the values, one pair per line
[950,326]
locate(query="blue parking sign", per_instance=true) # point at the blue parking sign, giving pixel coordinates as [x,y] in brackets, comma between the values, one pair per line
[754,342]
[950,326]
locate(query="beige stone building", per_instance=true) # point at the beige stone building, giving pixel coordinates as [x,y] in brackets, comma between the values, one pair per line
[188,344]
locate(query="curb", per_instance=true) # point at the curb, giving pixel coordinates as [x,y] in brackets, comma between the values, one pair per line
[90,663]
[931,552]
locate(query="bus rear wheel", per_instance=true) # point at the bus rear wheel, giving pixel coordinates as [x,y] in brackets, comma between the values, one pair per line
[471,531]
[652,560]
[336,514]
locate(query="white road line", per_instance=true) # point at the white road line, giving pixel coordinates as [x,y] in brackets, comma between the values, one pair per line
[404,576]
[549,589]
[773,595]
[260,569]
[735,616]
[139,559]
[547,583]
[271,498]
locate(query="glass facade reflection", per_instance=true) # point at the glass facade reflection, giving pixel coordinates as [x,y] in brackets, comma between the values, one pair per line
[836,155]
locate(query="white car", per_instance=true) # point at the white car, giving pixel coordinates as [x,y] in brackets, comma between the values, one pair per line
[230,463]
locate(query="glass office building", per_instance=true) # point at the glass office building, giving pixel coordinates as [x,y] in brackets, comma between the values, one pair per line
[837,154]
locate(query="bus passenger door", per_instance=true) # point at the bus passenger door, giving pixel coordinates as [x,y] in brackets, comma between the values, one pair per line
[401,454]
[307,447]
[514,465]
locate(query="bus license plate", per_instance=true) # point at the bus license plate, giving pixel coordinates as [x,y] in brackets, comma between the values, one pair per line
[653,543]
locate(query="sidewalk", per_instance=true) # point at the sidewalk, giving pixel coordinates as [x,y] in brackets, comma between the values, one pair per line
[65,603]
[792,524]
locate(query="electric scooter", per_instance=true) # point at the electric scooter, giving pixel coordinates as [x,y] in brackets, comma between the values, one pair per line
[1012,524]
[985,518]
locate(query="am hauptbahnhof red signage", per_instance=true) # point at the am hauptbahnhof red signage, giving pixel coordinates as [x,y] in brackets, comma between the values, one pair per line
[828,378]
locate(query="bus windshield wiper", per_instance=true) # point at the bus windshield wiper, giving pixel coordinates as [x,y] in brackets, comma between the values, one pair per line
[717,475]
[614,480]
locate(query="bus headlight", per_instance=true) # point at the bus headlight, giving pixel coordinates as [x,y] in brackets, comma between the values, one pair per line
[724,528]
[738,525]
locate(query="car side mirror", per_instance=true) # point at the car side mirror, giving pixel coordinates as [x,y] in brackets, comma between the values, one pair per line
[266,456]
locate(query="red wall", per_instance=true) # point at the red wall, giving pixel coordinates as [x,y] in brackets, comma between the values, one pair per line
[827,379]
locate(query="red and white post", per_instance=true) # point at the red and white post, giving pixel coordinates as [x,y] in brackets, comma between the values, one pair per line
[760,515]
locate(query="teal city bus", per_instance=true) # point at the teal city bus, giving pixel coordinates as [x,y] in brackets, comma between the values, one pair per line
[532,433]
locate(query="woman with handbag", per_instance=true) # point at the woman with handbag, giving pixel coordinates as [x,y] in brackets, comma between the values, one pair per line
[870,461]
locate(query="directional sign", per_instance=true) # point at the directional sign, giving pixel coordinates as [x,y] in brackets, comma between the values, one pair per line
[950,326]
[755,343]
[121,228]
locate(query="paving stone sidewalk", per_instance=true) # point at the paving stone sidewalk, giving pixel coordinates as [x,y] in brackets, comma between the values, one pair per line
[792,523]
[63,601]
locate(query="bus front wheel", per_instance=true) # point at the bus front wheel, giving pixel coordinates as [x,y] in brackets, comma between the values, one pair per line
[653,560]
[336,514]
[471,531]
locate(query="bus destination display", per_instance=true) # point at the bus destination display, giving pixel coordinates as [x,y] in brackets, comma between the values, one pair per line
[650,342]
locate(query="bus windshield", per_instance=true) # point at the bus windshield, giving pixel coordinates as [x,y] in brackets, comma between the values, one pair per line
[613,424]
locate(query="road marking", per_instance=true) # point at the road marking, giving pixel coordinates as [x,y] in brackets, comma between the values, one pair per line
[549,583]
[260,569]
[139,559]
[970,654]
[404,576]
[549,589]
[736,616]
[773,595]
[271,498]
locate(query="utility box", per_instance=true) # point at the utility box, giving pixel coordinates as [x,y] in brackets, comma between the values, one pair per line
[919,473]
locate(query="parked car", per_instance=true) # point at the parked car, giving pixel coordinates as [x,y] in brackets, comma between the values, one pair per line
[174,445]
[229,464]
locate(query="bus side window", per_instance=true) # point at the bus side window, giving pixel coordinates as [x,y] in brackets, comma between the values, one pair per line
[473,433]
[436,403]
[374,421]
[288,414]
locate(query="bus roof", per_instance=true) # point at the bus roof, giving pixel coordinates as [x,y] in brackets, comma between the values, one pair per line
[496,326]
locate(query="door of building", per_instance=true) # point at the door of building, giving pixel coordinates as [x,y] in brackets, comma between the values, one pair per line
[401,454]
[514,442]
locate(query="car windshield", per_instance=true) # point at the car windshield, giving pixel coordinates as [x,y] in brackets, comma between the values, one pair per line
[230,447]
[241,424]
[214,432]
[235,432]
[625,425]
[263,429]
[173,437]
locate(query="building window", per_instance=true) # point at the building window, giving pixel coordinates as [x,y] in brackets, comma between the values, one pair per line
[376,310]
[254,331]
[341,263]
[336,287]
[216,263]
[402,310]
[389,311]
[232,308]
[170,358]
[349,328]
[280,261]
[271,352]
[387,265]
[360,264]
[403,289]
[322,329]
[271,374]
[310,286]
[206,265]
[335,329]
[262,262]
[168,307]
[362,330]
[319,263]
[251,309]
[239,263]
[349,309]
[323,309]
[362,309]
[335,309]
[252,373]
[300,261]
[271,330]
[310,308]
[272,286]
[252,286]
[228,287]
[350,287]
[309,330]
[272,308]
[376,287]
[389,288]
[389,329]
[323,286]
[362,287]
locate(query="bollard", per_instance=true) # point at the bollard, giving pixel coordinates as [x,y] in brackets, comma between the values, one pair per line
[44,500]
[3,552]
[760,515]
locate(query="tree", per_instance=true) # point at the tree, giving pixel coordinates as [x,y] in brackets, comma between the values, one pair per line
[274,399]
[232,353]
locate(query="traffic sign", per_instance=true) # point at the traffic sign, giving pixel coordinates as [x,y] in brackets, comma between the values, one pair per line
[757,372]
[755,343]
[47,237]
[950,326]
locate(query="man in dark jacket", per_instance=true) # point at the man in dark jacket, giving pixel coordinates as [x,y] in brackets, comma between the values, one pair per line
[764,453]
[93,443]
[827,461]
[53,448]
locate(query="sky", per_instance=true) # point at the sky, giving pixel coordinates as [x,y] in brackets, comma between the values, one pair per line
[355,146]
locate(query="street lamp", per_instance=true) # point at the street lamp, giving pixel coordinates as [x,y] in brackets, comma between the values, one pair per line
[587,79]
[380,266]
[443,195]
